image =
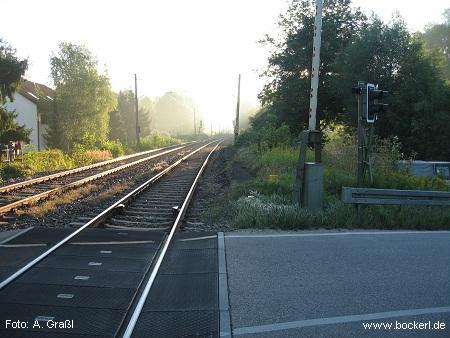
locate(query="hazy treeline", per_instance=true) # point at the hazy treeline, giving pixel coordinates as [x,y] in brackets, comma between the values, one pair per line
[85,111]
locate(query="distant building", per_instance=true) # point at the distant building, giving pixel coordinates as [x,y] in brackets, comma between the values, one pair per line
[28,112]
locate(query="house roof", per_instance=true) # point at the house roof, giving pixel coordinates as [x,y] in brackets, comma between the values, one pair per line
[33,90]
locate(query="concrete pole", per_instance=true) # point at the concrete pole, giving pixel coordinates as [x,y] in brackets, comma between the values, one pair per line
[308,190]
[315,67]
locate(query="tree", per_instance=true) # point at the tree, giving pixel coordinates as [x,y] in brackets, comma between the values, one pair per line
[146,113]
[123,118]
[117,129]
[126,116]
[376,55]
[11,71]
[83,96]
[418,113]
[289,70]
[10,130]
[437,37]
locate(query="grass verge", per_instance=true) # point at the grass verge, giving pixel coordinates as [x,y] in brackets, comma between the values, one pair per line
[263,203]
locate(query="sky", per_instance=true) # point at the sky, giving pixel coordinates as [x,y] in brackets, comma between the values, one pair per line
[194,47]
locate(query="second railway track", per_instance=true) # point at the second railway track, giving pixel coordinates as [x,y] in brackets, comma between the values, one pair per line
[27,192]
[102,275]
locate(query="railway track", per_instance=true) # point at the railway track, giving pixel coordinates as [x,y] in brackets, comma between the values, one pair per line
[103,275]
[27,192]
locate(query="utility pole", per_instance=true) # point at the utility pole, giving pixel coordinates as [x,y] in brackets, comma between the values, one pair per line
[236,125]
[136,104]
[211,128]
[308,189]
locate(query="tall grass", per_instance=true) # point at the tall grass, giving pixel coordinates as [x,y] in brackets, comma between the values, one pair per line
[271,212]
[270,203]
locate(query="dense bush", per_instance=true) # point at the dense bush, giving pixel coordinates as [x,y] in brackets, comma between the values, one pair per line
[115,147]
[79,155]
[34,161]
[157,140]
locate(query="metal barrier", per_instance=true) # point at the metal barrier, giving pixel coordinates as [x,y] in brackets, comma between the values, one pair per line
[394,196]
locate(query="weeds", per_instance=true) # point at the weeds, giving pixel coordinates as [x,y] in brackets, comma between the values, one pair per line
[273,212]
[41,209]
[261,203]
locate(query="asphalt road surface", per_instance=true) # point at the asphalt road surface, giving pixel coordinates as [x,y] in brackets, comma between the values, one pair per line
[325,284]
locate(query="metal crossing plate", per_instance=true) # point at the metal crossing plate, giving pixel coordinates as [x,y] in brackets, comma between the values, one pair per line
[200,242]
[137,251]
[85,321]
[112,279]
[94,263]
[65,295]
[190,261]
[183,292]
[19,256]
[5,272]
[108,235]
[33,334]
[181,324]
[183,301]
[41,235]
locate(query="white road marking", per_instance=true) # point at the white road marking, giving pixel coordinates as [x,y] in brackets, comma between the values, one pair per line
[82,277]
[22,245]
[338,320]
[350,233]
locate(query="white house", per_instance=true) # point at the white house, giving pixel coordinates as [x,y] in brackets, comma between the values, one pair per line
[25,105]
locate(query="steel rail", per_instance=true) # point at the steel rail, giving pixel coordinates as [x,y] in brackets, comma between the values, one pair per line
[99,218]
[138,309]
[32,199]
[18,185]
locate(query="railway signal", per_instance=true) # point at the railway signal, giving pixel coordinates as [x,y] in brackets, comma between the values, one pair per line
[373,105]
[370,105]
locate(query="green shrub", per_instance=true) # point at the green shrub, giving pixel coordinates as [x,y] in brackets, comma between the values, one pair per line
[36,161]
[247,138]
[115,147]
[52,159]
[404,181]
[157,140]
[79,156]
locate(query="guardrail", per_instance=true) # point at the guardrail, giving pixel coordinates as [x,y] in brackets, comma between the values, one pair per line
[394,196]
